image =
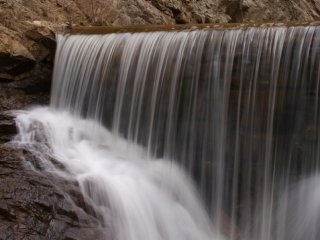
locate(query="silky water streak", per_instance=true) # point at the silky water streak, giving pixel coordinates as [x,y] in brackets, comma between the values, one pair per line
[137,199]
[135,117]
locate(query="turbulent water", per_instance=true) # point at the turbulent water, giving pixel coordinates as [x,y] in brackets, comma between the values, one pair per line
[138,198]
[237,111]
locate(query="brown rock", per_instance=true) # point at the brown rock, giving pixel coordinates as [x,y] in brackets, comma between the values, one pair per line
[35,206]
[14,56]
[273,11]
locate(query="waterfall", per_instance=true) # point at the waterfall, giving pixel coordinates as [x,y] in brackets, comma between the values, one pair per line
[194,135]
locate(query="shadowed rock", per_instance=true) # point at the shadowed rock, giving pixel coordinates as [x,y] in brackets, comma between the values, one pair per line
[35,206]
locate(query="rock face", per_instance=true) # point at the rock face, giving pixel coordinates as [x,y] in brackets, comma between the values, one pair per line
[33,206]
[277,10]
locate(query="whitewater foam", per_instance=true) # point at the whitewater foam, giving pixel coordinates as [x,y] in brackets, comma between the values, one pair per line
[141,198]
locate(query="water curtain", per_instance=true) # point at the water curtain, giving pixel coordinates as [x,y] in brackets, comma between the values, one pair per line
[238,110]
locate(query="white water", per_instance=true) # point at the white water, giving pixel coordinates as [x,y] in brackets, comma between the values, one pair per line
[140,198]
[238,109]
[299,211]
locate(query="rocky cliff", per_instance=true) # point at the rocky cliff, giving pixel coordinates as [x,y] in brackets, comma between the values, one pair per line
[33,206]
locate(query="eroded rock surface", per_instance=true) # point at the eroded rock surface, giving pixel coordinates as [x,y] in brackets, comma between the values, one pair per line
[38,206]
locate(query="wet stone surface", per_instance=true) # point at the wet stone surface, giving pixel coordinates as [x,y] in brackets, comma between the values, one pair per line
[35,206]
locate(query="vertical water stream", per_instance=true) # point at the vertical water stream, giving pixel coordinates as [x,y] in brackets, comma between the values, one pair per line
[238,110]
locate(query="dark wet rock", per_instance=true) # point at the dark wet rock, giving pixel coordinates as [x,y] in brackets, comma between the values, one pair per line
[35,205]
[7,128]
[13,98]
[37,82]
[15,65]
[5,78]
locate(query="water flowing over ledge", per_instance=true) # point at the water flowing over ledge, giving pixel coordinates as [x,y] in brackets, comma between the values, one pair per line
[184,27]
[238,110]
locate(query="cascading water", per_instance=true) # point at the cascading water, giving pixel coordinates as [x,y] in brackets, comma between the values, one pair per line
[238,110]
[137,199]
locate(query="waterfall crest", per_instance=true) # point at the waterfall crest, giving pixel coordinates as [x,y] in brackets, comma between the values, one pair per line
[238,110]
